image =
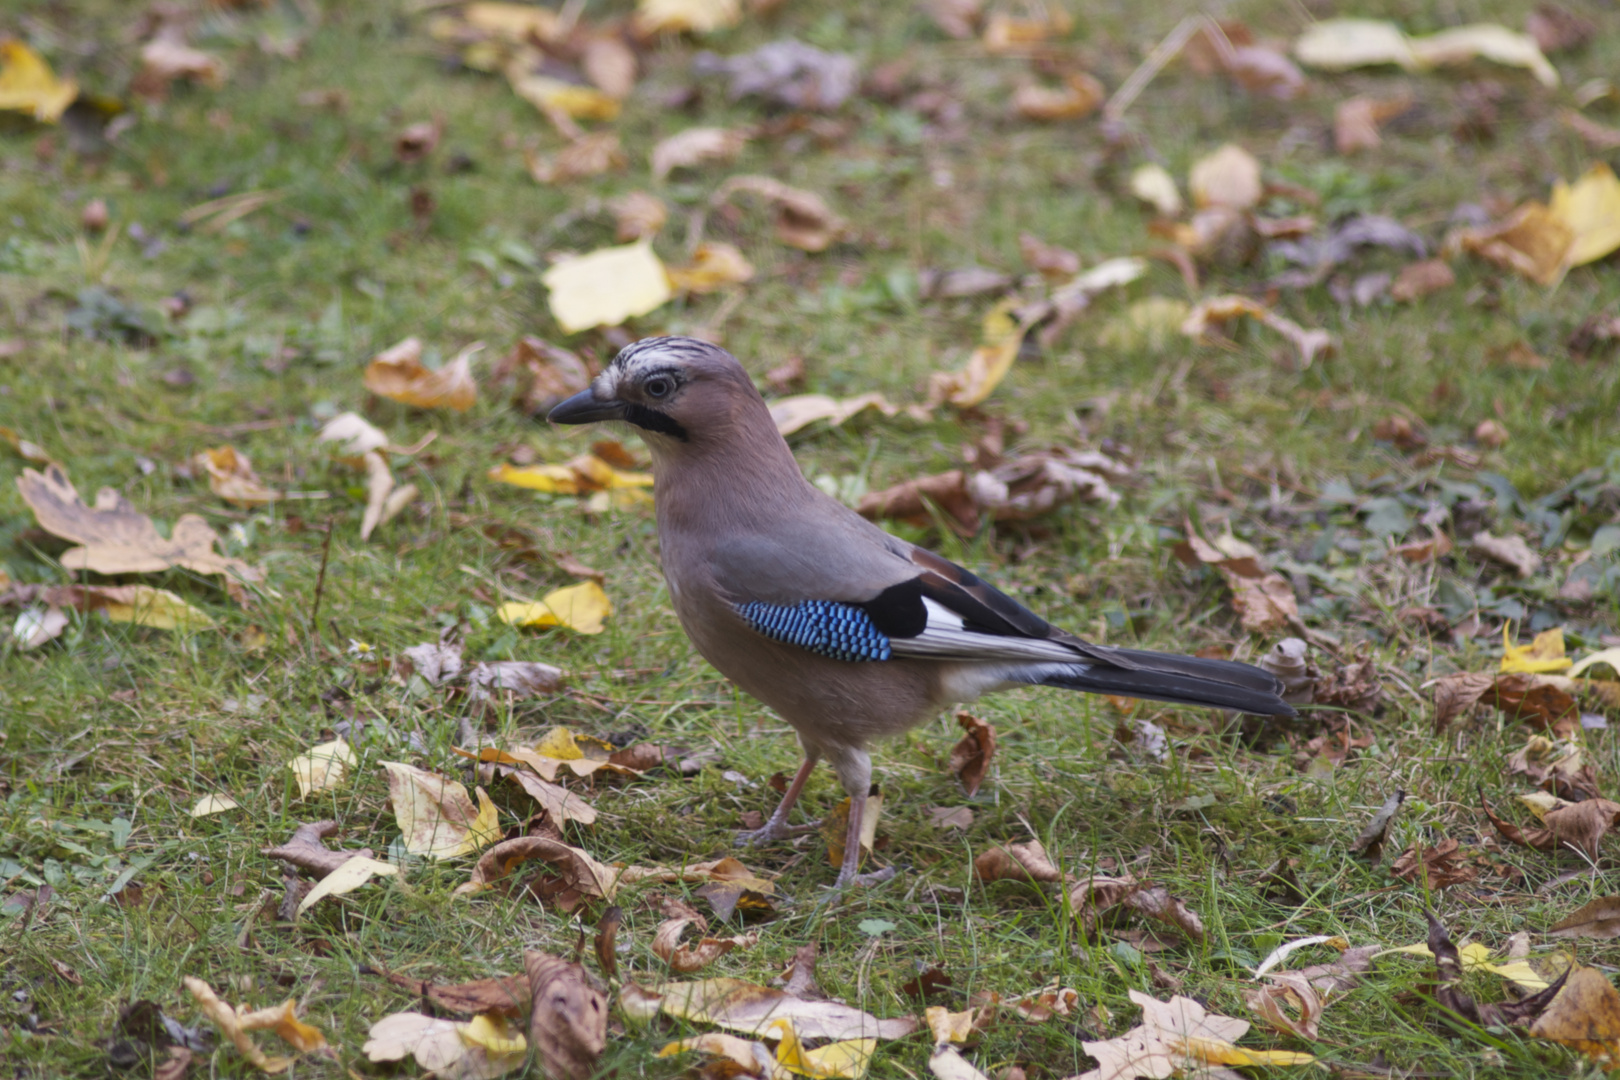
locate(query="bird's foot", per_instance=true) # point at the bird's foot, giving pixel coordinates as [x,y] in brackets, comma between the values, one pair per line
[875,877]
[770,832]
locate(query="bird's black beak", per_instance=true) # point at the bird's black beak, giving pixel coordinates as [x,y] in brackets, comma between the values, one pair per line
[585,408]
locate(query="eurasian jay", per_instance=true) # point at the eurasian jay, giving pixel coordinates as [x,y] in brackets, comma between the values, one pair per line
[849,633]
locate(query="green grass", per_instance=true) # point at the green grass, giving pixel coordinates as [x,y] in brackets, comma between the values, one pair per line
[127,727]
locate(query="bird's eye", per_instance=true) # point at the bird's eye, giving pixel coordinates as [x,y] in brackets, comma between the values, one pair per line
[659,386]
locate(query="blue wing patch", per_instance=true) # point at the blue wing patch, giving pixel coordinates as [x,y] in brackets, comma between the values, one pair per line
[841,631]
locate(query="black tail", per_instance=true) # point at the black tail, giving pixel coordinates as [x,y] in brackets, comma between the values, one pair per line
[1183,680]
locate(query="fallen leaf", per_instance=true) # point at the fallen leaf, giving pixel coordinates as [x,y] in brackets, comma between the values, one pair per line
[752,1009]
[609,64]
[1584,1015]
[583,475]
[442,1047]
[576,871]
[516,679]
[1356,121]
[1287,990]
[555,97]
[1581,825]
[305,850]
[1051,261]
[354,872]
[547,373]
[1016,862]
[1228,177]
[971,757]
[1080,96]
[792,413]
[1437,867]
[1007,33]
[28,451]
[915,500]
[694,146]
[141,605]
[606,287]
[957,18]
[1560,768]
[1001,337]
[787,72]
[213,804]
[950,817]
[1176,1036]
[1216,311]
[1342,44]
[1419,279]
[835,827]
[166,59]
[1599,918]
[582,608]
[590,154]
[355,434]
[568,1022]
[694,956]
[803,219]
[686,16]
[1542,656]
[560,803]
[235,1024]
[1369,845]
[231,477]
[1262,598]
[638,215]
[1154,185]
[322,767]
[1580,224]
[714,266]
[29,86]
[397,373]
[435,815]
[118,539]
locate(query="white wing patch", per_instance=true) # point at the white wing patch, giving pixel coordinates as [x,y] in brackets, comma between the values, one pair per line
[946,637]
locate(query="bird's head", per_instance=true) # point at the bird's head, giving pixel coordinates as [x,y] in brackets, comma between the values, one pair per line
[679,392]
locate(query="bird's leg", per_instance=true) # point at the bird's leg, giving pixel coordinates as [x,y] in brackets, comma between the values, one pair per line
[852,850]
[776,826]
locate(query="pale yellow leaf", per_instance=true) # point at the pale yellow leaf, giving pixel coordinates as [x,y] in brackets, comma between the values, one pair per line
[494,1033]
[435,815]
[1154,185]
[28,85]
[582,608]
[144,605]
[714,266]
[607,287]
[322,767]
[1542,656]
[213,804]
[1591,209]
[682,16]
[546,94]
[346,878]
[1229,177]
[792,413]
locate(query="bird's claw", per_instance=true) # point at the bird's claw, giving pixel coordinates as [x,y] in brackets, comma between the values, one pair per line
[771,832]
[875,877]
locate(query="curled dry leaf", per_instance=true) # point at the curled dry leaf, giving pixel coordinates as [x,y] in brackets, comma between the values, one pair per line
[397,373]
[1209,314]
[1342,44]
[694,146]
[1016,862]
[1585,1015]
[695,956]
[792,413]
[1581,825]
[1437,867]
[507,995]
[231,477]
[435,814]
[835,827]
[803,219]
[972,755]
[637,215]
[547,373]
[568,1021]
[1509,551]
[606,287]
[140,605]
[752,1009]
[384,500]
[1080,96]
[445,1048]
[1598,919]
[576,871]
[1263,598]
[1001,337]
[1419,279]
[1154,185]
[1578,225]
[354,434]
[235,1024]
[1369,845]
[118,539]
[167,58]
[1287,991]
[560,803]
[714,266]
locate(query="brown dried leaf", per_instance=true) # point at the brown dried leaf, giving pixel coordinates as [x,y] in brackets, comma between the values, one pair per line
[1585,1015]
[1547,701]
[118,539]
[1016,862]
[231,477]
[698,955]
[568,1024]
[1455,695]
[397,373]
[607,933]
[694,146]
[590,154]
[1050,260]
[576,870]
[910,501]
[950,817]
[1356,121]
[1437,867]
[1262,598]
[1287,990]
[507,995]
[1370,844]
[416,141]
[971,757]
[1583,825]
[637,215]
[168,58]
[562,804]
[306,851]
[610,65]
[803,219]
[1419,279]
[1209,314]
[715,265]
[1598,919]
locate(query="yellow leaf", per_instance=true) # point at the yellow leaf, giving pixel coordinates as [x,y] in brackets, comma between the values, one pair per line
[231,477]
[1591,209]
[346,878]
[322,767]
[679,16]
[559,743]
[1340,44]
[949,1027]
[844,1060]
[515,22]
[989,364]
[435,815]
[721,1045]
[546,94]
[143,605]
[1154,185]
[494,1033]
[553,479]
[1542,803]
[714,265]
[213,804]
[1543,655]
[28,85]
[1220,1052]
[582,608]
[282,1020]
[607,287]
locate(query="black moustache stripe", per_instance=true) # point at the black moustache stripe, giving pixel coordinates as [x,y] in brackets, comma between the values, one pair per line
[653,420]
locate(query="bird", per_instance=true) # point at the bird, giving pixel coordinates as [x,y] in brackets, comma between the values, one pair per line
[849,633]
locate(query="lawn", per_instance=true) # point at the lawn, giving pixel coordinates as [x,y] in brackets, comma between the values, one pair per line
[213,262]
